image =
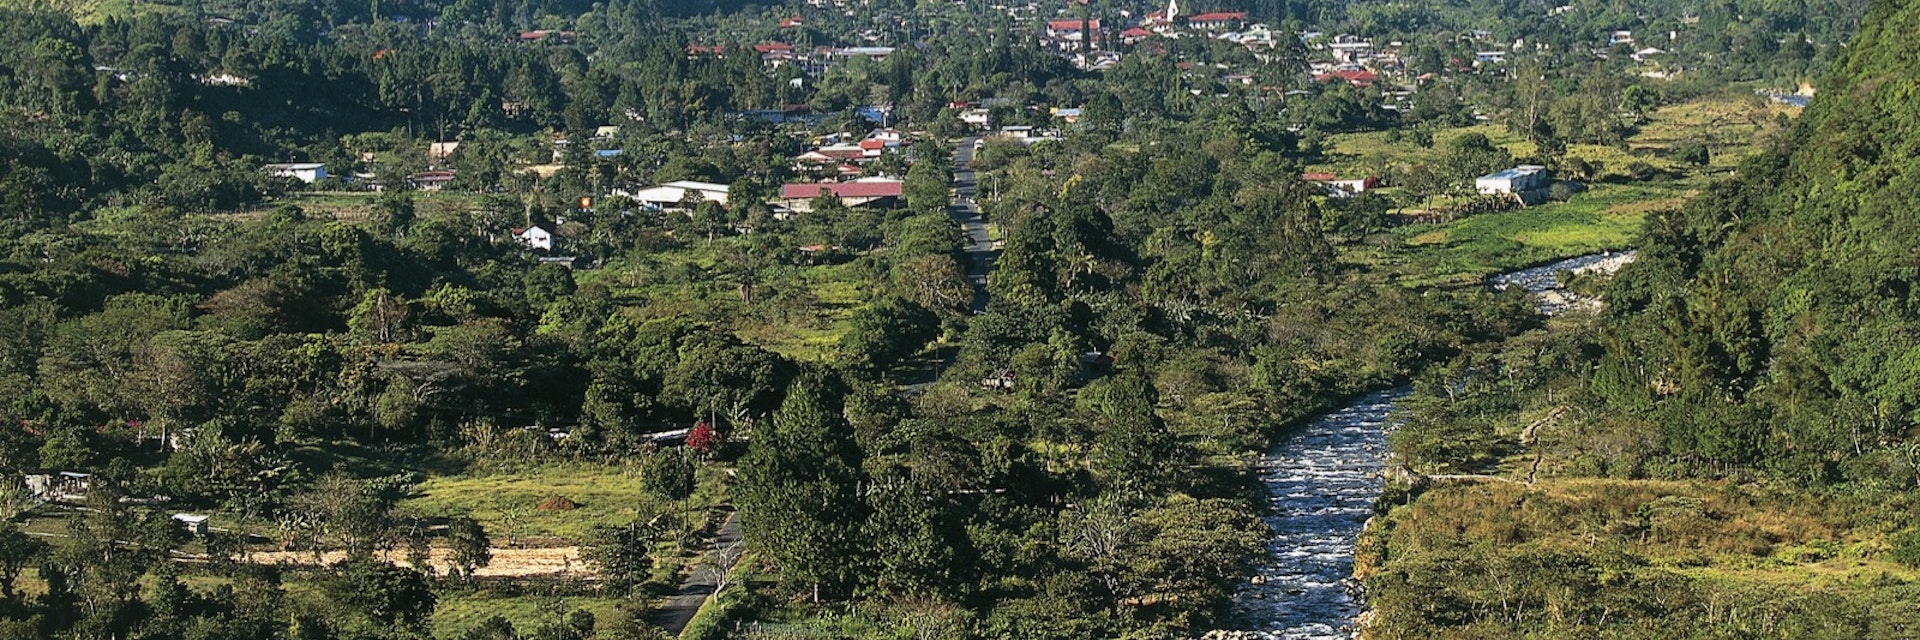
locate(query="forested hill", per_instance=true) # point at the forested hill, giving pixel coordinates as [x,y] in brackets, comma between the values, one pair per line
[1773,323]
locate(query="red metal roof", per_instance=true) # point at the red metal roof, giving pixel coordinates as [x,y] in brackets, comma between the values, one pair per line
[1218,16]
[1071,25]
[769,47]
[1136,32]
[841,190]
[1352,76]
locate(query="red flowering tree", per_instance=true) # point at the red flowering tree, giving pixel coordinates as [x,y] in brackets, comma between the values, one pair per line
[704,439]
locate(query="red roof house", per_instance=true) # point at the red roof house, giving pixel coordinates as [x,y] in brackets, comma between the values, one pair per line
[798,198]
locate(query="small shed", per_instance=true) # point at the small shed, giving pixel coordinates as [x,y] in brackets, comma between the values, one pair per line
[195,523]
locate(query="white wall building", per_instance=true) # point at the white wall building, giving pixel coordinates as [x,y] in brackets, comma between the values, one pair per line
[672,194]
[535,237]
[308,172]
[1520,179]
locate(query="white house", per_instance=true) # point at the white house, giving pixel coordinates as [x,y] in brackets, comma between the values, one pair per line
[1518,180]
[308,172]
[535,237]
[976,117]
[62,486]
[888,136]
[431,180]
[670,195]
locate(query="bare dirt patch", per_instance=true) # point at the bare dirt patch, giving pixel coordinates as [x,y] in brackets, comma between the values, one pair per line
[507,562]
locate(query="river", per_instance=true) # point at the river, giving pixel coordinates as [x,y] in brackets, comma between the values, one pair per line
[1322,481]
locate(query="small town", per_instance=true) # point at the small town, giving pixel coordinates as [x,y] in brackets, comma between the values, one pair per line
[957,320]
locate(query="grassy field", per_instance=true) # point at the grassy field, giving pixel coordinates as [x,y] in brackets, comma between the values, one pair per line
[1728,124]
[507,502]
[1605,217]
[460,611]
[1716,545]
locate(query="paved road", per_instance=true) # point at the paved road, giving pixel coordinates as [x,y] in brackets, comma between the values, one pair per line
[966,213]
[679,608]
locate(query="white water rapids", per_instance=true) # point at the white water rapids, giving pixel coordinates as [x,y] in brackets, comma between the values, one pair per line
[1322,481]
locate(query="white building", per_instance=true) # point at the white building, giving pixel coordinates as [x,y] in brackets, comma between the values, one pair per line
[976,117]
[308,172]
[1518,180]
[194,523]
[535,237]
[672,194]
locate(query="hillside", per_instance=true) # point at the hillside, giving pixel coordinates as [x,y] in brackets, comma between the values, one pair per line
[1729,450]
[1773,321]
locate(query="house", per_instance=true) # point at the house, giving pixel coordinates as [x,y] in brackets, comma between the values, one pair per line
[539,236]
[1521,180]
[888,136]
[570,262]
[878,193]
[775,54]
[1069,115]
[223,80]
[1355,77]
[1217,20]
[308,172]
[1338,187]
[824,57]
[831,154]
[1619,37]
[1028,135]
[62,486]
[1351,52]
[1163,18]
[671,195]
[1134,35]
[1070,29]
[431,180]
[195,524]
[792,22]
[977,117]
[1495,56]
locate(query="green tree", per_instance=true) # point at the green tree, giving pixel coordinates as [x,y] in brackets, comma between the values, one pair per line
[885,332]
[17,552]
[669,473]
[798,492]
[622,555]
[468,547]
[381,595]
